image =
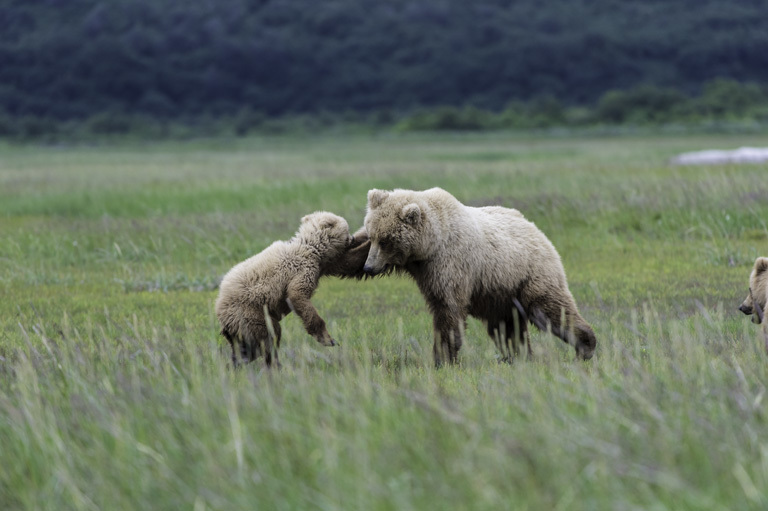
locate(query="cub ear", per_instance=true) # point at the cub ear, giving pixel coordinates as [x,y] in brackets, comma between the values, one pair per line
[411,214]
[761,265]
[376,197]
[328,223]
[305,219]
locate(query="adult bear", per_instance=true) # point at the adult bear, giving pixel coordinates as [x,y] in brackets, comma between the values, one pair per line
[490,263]
[756,302]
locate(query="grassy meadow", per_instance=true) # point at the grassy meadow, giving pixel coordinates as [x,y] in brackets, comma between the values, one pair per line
[115,389]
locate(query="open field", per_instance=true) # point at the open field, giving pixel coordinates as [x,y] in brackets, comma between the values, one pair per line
[115,391]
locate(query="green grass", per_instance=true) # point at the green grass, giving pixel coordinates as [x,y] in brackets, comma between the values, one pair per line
[115,391]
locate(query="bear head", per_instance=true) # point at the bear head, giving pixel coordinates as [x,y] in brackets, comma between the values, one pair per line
[327,233]
[755,302]
[395,223]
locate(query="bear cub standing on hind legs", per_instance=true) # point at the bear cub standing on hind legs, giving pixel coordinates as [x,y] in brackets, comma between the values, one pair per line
[281,279]
[490,263]
[756,302]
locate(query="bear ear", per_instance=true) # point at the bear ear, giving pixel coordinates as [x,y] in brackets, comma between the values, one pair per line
[376,197]
[761,265]
[305,218]
[411,214]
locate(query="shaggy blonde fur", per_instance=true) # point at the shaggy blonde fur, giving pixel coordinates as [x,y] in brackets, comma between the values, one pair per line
[756,302]
[490,263]
[281,279]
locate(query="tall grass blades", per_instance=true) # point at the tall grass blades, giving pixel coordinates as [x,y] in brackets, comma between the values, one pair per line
[117,392]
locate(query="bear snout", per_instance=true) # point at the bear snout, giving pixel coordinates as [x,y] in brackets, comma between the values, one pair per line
[745,309]
[370,270]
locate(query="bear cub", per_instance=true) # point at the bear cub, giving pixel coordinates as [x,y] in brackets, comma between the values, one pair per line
[258,292]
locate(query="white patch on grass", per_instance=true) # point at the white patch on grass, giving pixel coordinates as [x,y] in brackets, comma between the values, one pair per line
[719,157]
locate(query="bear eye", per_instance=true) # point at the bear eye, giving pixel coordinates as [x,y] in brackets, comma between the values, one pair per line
[384,243]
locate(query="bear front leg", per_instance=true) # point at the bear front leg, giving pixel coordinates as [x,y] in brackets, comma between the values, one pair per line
[449,336]
[350,264]
[315,326]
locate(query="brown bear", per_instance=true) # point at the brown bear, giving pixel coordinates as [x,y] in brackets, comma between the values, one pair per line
[489,262]
[281,279]
[756,302]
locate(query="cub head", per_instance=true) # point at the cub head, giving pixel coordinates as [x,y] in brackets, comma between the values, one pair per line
[394,222]
[754,303]
[325,231]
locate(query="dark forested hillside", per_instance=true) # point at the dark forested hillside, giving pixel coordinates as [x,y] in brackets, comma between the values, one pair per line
[74,58]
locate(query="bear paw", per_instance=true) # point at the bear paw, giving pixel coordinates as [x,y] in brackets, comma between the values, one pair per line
[327,340]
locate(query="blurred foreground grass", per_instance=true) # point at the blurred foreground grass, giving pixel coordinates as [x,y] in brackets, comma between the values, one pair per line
[114,388]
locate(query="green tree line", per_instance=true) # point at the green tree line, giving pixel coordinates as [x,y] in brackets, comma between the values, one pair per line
[721,101]
[75,59]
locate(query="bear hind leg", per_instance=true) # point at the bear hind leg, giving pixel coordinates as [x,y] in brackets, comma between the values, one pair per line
[521,326]
[233,345]
[274,334]
[568,325]
[509,336]
[259,339]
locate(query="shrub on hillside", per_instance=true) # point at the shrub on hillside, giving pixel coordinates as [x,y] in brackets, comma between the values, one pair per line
[448,118]
[722,98]
[641,105]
